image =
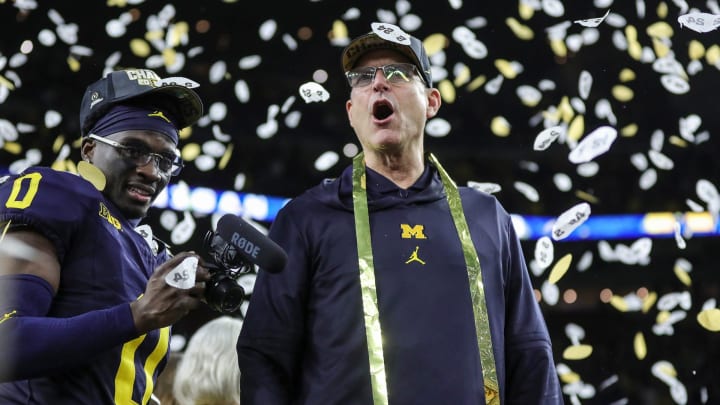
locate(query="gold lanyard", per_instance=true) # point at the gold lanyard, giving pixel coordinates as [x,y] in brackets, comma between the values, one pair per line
[373,331]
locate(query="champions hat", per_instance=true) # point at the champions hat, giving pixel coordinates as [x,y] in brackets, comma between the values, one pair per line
[372,41]
[144,87]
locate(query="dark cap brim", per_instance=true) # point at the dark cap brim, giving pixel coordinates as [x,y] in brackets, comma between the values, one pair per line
[371,42]
[140,86]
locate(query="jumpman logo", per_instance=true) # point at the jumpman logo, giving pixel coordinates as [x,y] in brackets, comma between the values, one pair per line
[414,257]
[159,114]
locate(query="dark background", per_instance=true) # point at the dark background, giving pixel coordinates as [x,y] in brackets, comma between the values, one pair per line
[54,78]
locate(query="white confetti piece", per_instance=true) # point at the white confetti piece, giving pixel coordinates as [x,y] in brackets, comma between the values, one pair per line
[562,181]
[183,231]
[437,127]
[648,179]
[527,190]
[660,160]
[569,220]
[594,144]
[700,22]
[326,161]
[546,137]
[544,252]
[313,92]
[183,275]
[592,22]
[390,32]
[489,188]
[675,84]
[550,293]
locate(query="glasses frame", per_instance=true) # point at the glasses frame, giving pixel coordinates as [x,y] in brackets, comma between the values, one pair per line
[366,69]
[175,166]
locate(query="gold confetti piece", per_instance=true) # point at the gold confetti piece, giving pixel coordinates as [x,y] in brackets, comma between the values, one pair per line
[649,301]
[435,43]
[631,33]
[70,166]
[463,76]
[58,165]
[619,303]
[6,83]
[709,319]
[447,91]
[712,55]
[635,50]
[569,378]
[73,64]
[59,142]
[583,195]
[521,31]
[629,130]
[169,56]
[683,276]
[185,133]
[662,10]
[677,141]
[525,10]
[660,29]
[177,33]
[154,35]
[566,110]
[696,50]
[576,128]
[560,268]
[13,147]
[622,93]
[140,48]
[91,173]
[662,49]
[662,317]
[500,126]
[506,68]
[339,31]
[225,157]
[117,3]
[627,75]
[558,47]
[640,346]
[190,152]
[476,83]
[577,352]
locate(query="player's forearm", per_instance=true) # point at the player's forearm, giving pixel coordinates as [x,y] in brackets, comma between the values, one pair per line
[32,344]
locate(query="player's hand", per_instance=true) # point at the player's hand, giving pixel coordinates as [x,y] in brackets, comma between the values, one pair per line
[171,293]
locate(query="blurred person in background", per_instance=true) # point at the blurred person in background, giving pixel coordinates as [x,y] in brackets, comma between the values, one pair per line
[400,287]
[208,373]
[87,294]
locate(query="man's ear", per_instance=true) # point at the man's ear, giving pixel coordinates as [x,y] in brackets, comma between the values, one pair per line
[434,102]
[87,149]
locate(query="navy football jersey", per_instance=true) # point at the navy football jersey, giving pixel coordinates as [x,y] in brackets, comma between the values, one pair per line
[104,263]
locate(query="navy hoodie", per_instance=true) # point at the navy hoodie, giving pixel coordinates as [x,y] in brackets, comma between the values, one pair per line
[303,339]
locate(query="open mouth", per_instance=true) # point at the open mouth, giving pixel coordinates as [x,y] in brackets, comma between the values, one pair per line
[382,109]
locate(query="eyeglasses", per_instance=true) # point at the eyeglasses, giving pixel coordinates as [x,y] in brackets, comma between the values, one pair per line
[397,73]
[142,156]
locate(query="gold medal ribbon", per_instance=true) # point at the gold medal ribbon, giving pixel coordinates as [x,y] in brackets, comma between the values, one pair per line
[373,331]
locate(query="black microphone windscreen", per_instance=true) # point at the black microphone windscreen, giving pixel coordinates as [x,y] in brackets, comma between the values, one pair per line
[251,244]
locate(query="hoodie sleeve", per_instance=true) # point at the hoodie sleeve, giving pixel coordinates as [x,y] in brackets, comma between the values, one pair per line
[531,374]
[269,344]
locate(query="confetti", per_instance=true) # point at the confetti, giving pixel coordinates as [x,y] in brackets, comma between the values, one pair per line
[183,275]
[569,220]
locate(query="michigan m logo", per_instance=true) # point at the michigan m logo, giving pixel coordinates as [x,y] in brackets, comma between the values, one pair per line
[415,231]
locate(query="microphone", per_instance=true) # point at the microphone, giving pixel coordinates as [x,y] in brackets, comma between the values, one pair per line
[250,244]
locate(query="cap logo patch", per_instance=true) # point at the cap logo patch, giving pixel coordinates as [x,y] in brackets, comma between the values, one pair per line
[94,99]
[159,114]
[143,77]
